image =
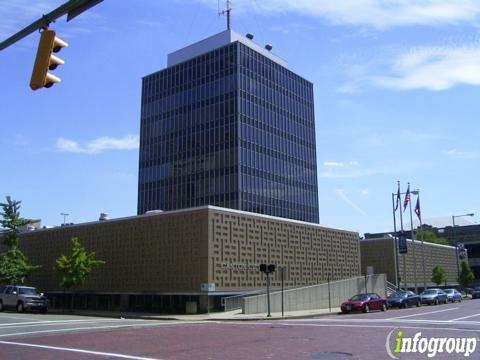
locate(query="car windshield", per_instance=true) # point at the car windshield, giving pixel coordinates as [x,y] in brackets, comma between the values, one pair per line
[429,292]
[398,294]
[449,291]
[359,297]
[28,291]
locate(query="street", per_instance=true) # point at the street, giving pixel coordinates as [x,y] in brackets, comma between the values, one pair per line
[352,336]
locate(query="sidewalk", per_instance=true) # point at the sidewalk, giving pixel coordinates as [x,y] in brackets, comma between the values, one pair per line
[235,315]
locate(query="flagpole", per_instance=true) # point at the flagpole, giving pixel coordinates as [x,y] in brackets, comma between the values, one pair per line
[395,241]
[413,244]
[403,255]
[419,214]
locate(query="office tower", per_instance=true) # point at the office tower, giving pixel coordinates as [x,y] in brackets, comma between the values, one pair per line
[228,124]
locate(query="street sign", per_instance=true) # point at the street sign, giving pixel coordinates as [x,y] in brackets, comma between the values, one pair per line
[402,243]
[207,287]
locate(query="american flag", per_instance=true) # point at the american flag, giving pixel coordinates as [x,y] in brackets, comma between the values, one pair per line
[398,198]
[407,198]
[417,209]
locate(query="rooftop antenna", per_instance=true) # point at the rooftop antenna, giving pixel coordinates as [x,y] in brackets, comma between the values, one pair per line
[227,11]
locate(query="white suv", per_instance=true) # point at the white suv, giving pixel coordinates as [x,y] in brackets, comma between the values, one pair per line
[22,298]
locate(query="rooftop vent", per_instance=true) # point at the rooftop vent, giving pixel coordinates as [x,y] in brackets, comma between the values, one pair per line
[249,36]
[103,217]
[269,47]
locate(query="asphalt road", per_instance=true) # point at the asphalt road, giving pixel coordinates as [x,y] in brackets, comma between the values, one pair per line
[352,336]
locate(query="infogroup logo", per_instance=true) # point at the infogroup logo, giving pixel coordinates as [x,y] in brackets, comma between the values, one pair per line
[430,346]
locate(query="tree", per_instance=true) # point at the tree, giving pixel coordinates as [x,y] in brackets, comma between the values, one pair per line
[466,274]
[75,267]
[438,275]
[14,265]
[429,236]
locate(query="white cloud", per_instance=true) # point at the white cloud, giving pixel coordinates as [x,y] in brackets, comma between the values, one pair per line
[433,68]
[353,169]
[336,164]
[129,142]
[379,14]
[457,154]
[341,194]
[364,192]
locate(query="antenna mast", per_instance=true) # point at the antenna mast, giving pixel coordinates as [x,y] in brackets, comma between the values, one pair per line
[228,12]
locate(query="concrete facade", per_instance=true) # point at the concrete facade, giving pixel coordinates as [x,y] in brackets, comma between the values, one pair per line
[380,254]
[174,253]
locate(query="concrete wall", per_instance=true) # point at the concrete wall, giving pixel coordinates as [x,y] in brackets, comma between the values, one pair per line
[380,253]
[317,296]
[310,253]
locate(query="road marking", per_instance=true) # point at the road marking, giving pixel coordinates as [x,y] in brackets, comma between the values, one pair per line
[77,350]
[103,327]
[420,314]
[15,317]
[51,322]
[425,321]
[349,325]
[465,317]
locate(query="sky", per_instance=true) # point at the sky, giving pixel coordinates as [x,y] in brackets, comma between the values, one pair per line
[396,86]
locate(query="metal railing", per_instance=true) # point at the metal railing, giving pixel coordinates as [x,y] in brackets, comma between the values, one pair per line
[391,288]
[234,302]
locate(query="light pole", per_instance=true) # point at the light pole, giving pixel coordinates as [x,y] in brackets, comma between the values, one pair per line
[455,239]
[64,217]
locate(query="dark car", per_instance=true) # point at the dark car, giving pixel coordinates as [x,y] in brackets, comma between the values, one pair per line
[476,293]
[403,299]
[22,298]
[453,295]
[433,296]
[365,303]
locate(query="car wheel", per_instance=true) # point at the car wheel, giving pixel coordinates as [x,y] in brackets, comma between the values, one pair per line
[1,306]
[384,307]
[366,309]
[419,304]
[43,311]
[460,300]
[404,305]
[436,302]
[20,307]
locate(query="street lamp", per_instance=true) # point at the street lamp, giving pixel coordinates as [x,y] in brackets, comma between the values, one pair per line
[455,240]
[64,217]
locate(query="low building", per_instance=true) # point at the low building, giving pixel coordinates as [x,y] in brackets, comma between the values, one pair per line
[165,261]
[467,237]
[415,267]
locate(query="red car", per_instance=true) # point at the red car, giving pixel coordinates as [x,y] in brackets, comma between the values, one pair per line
[365,303]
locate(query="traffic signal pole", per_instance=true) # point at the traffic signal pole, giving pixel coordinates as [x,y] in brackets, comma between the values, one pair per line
[72,8]
[268,294]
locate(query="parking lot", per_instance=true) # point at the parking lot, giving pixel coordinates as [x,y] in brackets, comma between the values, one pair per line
[351,336]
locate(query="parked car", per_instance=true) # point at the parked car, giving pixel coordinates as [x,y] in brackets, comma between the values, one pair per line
[365,303]
[433,296]
[403,299]
[22,298]
[453,295]
[476,293]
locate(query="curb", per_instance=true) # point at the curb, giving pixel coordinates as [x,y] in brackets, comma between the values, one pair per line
[185,317]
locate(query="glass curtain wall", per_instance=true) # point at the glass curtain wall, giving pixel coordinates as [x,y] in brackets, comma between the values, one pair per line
[230,128]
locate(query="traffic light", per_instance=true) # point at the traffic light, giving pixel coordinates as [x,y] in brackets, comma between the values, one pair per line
[45,60]
[267,268]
